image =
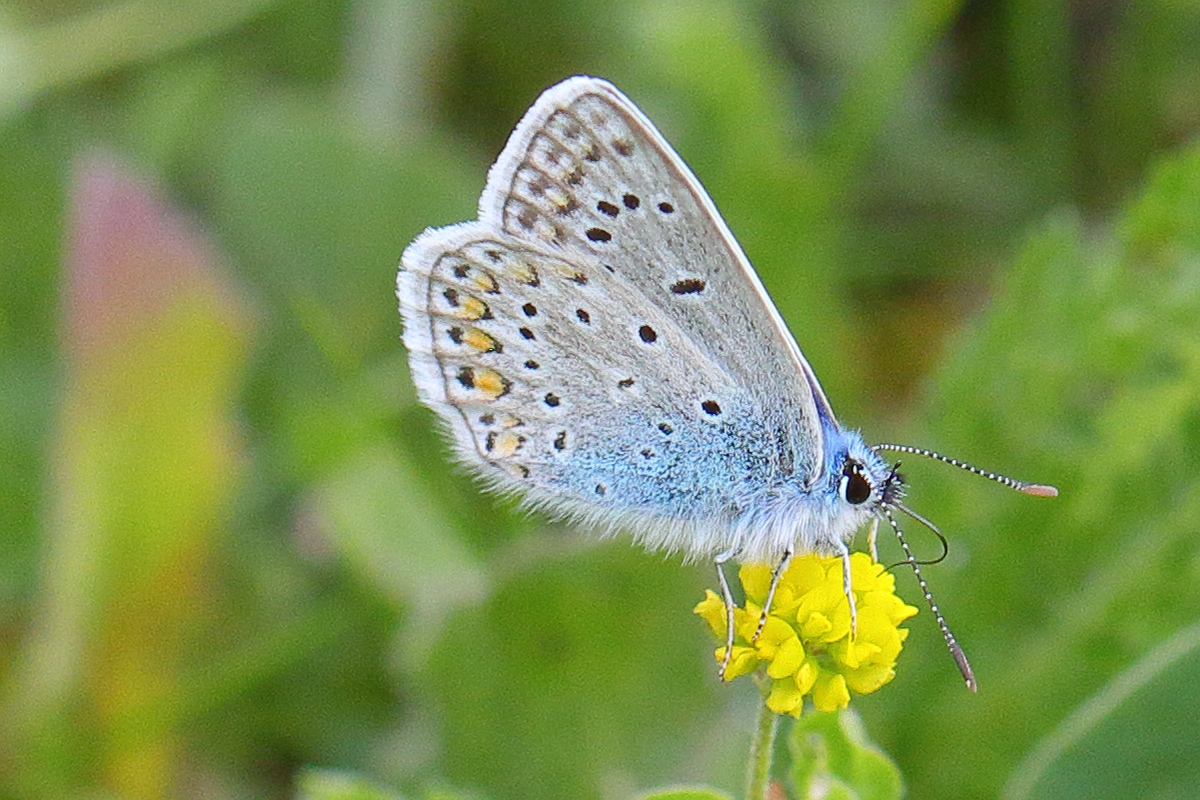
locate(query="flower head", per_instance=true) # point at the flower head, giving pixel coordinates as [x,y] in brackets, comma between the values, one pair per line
[806,647]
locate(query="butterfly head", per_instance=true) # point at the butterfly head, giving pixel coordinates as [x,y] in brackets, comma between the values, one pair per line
[861,480]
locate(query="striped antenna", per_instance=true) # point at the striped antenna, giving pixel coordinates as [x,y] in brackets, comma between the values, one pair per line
[1036,489]
[956,651]
[894,491]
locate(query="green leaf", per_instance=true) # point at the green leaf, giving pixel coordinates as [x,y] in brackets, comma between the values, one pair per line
[832,758]
[322,784]
[684,793]
[1124,740]
[377,515]
[551,682]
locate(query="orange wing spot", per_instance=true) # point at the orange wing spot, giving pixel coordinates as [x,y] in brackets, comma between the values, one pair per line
[471,308]
[484,282]
[491,383]
[481,341]
[525,273]
[506,444]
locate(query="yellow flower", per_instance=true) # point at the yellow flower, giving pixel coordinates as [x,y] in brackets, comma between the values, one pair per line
[805,648]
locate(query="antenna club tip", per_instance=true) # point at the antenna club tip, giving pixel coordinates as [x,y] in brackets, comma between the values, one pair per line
[972,685]
[1039,490]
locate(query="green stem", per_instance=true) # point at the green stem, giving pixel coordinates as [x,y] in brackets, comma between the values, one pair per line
[762,746]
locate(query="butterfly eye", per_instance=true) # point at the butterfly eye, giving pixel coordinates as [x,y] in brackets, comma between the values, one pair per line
[853,486]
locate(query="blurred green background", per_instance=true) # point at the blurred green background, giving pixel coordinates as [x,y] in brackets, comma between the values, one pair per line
[234,549]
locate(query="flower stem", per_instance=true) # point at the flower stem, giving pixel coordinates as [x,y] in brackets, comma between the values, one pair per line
[762,747]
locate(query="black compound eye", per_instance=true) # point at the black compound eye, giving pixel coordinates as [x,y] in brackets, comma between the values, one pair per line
[853,485]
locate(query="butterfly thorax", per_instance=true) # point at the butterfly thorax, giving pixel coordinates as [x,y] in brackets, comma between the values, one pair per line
[822,516]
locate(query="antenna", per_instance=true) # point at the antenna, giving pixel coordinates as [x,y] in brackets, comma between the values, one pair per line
[1036,489]
[893,502]
[956,652]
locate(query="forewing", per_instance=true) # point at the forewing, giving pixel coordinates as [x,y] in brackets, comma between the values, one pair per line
[587,172]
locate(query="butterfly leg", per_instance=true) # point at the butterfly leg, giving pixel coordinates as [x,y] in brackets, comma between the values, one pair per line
[780,568]
[845,552]
[727,598]
[871,537]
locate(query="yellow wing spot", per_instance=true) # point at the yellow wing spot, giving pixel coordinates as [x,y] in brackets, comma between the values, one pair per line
[568,272]
[491,383]
[481,341]
[471,308]
[509,421]
[506,444]
[484,282]
[526,273]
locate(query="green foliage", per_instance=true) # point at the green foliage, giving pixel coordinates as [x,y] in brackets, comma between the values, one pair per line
[680,793]
[1099,394]
[832,757]
[315,784]
[235,548]
[1124,740]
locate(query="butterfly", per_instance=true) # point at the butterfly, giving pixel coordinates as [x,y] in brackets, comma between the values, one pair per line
[597,344]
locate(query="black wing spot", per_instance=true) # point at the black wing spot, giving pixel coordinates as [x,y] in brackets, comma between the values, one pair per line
[526,333]
[666,208]
[666,428]
[455,334]
[494,256]
[579,278]
[625,383]
[451,296]
[622,147]
[688,286]
[531,364]
[601,489]
[527,217]
[461,271]
[583,316]
[487,419]
[560,441]
[711,407]
[598,235]
[551,399]
[592,154]
[530,310]
[647,453]
[605,207]
[647,334]
[466,376]
[631,201]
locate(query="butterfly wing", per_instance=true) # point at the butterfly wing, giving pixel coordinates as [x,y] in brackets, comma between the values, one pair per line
[598,341]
